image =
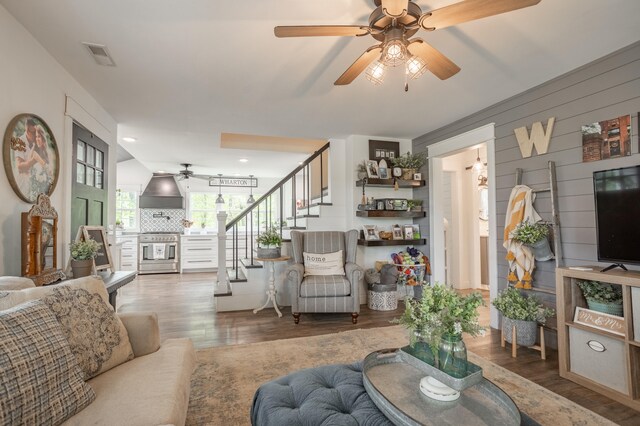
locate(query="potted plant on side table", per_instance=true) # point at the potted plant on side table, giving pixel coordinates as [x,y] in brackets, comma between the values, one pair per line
[437,321]
[525,312]
[82,255]
[534,235]
[602,297]
[269,243]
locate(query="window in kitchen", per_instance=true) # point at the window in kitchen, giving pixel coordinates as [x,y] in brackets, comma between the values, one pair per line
[202,208]
[126,209]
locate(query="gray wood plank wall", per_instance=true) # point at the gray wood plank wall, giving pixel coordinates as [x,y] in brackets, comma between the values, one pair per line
[604,89]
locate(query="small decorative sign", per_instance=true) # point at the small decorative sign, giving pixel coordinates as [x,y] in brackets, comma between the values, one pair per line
[236,182]
[611,323]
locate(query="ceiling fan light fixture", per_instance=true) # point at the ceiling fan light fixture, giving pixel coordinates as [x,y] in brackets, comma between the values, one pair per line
[416,67]
[376,72]
[394,53]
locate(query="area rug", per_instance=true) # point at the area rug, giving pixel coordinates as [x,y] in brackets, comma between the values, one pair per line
[226,377]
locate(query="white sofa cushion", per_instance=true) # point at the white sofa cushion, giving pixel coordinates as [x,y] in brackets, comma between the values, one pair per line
[41,380]
[323,263]
[149,390]
[97,337]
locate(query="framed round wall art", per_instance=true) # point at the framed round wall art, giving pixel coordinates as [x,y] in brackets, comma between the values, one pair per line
[31,159]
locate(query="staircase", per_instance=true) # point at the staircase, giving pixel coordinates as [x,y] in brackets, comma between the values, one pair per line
[292,204]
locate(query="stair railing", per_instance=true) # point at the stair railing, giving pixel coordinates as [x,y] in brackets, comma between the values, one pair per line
[261,214]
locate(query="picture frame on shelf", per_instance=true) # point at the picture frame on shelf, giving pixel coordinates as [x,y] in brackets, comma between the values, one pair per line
[408,232]
[397,232]
[397,172]
[383,150]
[372,169]
[379,204]
[417,176]
[416,231]
[370,232]
[383,173]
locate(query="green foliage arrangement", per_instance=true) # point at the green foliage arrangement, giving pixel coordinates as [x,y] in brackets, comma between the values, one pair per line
[410,161]
[269,238]
[362,166]
[601,292]
[441,311]
[84,250]
[513,304]
[530,233]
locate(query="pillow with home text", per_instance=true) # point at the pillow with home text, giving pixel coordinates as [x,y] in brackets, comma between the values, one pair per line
[323,263]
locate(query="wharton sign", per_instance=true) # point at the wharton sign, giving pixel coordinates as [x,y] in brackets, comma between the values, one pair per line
[236,182]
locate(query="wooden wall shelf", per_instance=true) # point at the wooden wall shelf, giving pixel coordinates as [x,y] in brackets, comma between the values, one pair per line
[381,243]
[389,213]
[390,183]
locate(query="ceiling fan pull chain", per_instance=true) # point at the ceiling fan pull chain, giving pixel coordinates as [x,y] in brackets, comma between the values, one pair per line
[406,81]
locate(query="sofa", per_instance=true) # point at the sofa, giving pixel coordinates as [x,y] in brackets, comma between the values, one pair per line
[151,386]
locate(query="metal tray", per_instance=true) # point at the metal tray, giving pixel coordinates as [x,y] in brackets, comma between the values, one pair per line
[391,378]
[474,373]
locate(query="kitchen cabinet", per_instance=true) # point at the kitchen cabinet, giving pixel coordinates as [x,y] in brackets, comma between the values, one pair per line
[591,354]
[198,252]
[128,252]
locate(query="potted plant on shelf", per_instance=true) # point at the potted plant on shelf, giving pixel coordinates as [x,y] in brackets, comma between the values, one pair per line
[362,170]
[534,235]
[269,243]
[82,255]
[410,163]
[437,321]
[602,297]
[523,312]
[414,205]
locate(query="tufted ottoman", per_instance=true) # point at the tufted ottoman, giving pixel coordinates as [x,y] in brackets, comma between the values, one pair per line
[328,395]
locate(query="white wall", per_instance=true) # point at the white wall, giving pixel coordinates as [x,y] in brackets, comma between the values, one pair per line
[31,81]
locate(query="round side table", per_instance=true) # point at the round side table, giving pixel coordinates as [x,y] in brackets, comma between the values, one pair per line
[271,292]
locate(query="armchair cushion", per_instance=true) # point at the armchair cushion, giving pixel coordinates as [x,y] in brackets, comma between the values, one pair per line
[323,263]
[143,331]
[325,286]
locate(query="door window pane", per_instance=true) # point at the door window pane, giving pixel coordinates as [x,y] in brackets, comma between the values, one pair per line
[90,172]
[91,155]
[99,160]
[98,179]
[80,173]
[81,151]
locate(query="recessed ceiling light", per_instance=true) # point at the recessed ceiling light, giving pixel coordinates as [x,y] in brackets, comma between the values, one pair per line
[300,163]
[236,174]
[129,139]
[161,171]
[243,160]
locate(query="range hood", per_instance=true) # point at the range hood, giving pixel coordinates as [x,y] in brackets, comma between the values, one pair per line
[162,192]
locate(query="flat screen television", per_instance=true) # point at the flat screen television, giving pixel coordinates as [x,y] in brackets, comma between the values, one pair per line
[617,196]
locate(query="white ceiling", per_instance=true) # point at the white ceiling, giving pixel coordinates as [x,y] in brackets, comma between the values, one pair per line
[188,70]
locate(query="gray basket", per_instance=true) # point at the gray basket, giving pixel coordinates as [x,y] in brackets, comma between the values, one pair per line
[382,297]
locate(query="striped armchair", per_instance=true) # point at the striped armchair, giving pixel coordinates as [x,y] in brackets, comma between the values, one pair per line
[325,293]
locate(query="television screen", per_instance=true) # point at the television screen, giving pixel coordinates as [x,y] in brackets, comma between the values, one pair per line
[617,195]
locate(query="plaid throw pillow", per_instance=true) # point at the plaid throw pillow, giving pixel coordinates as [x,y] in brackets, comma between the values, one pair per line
[41,381]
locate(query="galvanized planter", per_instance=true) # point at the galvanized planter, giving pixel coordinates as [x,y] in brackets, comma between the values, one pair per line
[268,253]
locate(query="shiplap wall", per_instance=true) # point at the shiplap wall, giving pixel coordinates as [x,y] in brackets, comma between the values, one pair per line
[604,89]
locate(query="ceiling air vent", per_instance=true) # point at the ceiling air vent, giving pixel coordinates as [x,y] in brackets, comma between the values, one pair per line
[100,54]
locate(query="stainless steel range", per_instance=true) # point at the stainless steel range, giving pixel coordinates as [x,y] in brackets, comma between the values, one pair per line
[159,253]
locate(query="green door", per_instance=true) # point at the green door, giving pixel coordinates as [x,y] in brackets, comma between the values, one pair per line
[89,189]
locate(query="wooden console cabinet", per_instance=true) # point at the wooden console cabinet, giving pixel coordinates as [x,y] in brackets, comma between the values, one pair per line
[606,362]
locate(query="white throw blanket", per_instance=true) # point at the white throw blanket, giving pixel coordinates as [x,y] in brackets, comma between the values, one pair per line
[520,257]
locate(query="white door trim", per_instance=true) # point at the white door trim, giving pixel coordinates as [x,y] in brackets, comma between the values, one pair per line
[437,151]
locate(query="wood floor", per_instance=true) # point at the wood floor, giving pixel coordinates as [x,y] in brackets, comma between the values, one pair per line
[186,308]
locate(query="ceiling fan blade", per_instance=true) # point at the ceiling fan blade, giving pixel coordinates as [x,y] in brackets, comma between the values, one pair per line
[395,8]
[321,30]
[441,66]
[359,65]
[470,10]
[205,177]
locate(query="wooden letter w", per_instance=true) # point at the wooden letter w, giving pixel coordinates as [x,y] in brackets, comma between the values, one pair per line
[539,138]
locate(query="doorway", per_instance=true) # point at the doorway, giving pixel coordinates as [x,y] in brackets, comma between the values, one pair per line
[89,180]
[467,246]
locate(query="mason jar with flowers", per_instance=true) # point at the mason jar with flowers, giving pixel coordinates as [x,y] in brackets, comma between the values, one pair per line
[437,321]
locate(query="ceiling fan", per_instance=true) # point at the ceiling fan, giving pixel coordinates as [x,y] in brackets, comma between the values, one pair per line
[188,174]
[393,23]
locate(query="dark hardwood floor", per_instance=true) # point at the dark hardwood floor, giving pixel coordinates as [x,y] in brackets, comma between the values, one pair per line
[186,308]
